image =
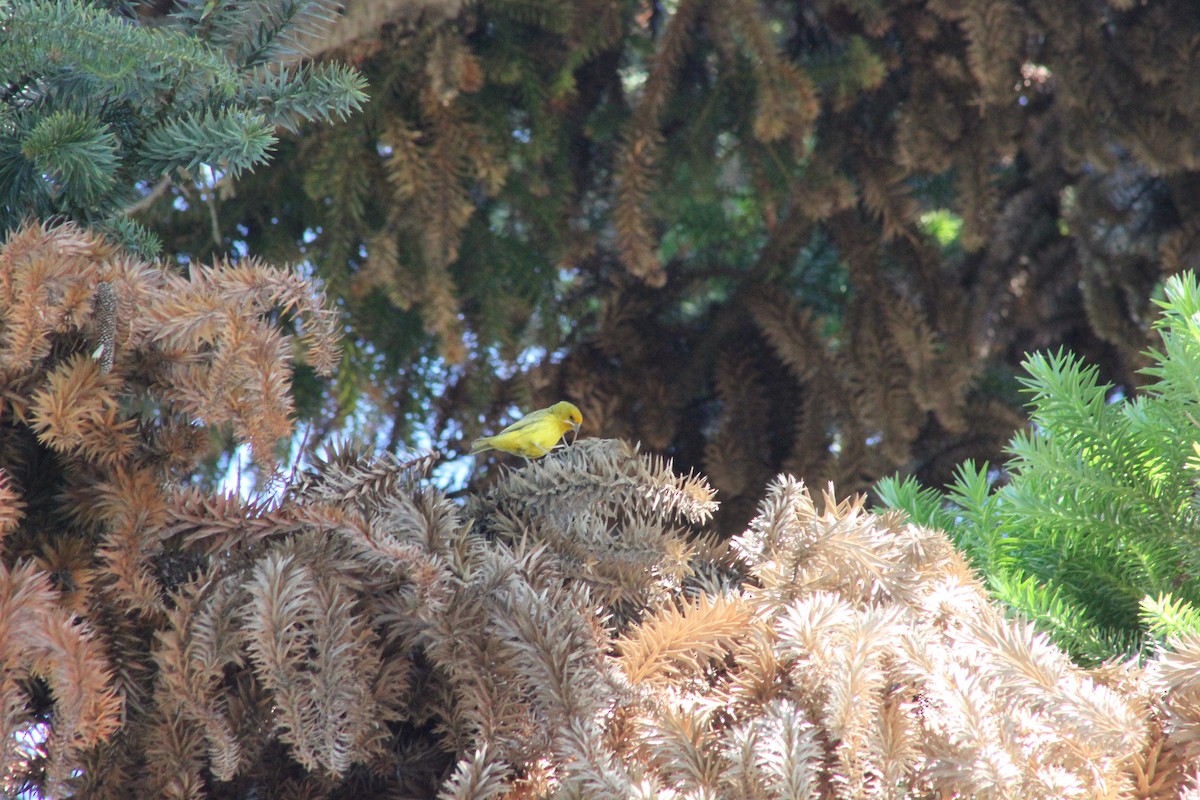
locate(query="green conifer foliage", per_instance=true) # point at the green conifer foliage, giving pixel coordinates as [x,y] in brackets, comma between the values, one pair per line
[1095,530]
[97,110]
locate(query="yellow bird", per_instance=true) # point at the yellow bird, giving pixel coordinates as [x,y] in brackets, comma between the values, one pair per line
[535,434]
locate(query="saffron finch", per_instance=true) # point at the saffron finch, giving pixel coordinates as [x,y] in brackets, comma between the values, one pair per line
[535,434]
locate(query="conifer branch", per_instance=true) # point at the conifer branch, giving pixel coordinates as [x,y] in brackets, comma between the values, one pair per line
[674,642]
[638,155]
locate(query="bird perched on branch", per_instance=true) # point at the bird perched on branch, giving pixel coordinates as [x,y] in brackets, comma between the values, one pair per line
[535,434]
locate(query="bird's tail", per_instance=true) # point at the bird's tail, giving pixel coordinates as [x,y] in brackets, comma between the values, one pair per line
[479,445]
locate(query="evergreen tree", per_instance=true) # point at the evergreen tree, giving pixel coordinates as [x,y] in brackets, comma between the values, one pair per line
[575,630]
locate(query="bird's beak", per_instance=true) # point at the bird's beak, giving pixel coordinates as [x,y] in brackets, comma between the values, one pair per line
[575,430]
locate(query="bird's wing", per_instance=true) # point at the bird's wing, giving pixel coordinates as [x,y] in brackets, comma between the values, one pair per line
[526,422]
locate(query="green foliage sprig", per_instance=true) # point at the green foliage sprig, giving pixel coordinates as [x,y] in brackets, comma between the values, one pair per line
[1095,531]
[95,108]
